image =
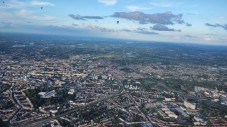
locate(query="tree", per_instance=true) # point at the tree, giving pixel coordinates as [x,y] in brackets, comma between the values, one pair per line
[3,124]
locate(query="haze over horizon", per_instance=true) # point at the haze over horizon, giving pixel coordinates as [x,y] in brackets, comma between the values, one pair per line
[200,22]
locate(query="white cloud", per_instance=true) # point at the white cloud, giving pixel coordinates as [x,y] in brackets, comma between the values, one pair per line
[41,3]
[209,38]
[172,4]
[162,4]
[108,2]
[23,13]
[15,16]
[136,8]
[5,15]
[42,18]
[15,4]
[98,28]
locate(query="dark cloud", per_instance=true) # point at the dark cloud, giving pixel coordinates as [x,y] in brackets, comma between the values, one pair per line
[208,24]
[102,29]
[75,24]
[79,17]
[160,27]
[188,24]
[224,26]
[28,22]
[140,31]
[166,18]
[188,36]
[144,31]
[126,30]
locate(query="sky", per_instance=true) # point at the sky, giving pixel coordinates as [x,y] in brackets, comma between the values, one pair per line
[183,21]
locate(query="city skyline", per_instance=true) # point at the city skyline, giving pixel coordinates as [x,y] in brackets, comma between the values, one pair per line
[200,22]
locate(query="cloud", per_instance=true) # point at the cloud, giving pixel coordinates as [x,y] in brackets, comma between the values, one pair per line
[78,17]
[98,28]
[43,17]
[54,28]
[6,25]
[188,24]
[171,4]
[189,36]
[140,31]
[23,13]
[75,24]
[224,26]
[29,22]
[144,31]
[211,25]
[46,29]
[41,3]
[162,4]
[15,4]
[126,30]
[160,27]
[136,8]
[19,4]
[108,2]
[209,38]
[166,18]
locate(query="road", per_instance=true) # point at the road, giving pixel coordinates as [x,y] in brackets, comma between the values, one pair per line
[16,102]
[144,116]
[39,123]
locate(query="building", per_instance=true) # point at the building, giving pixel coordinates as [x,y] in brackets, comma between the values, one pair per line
[169,98]
[169,113]
[71,91]
[199,89]
[189,104]
[182,112]
[47,94]
[199,121]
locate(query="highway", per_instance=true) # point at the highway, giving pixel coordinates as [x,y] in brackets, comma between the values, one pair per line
[39,123]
